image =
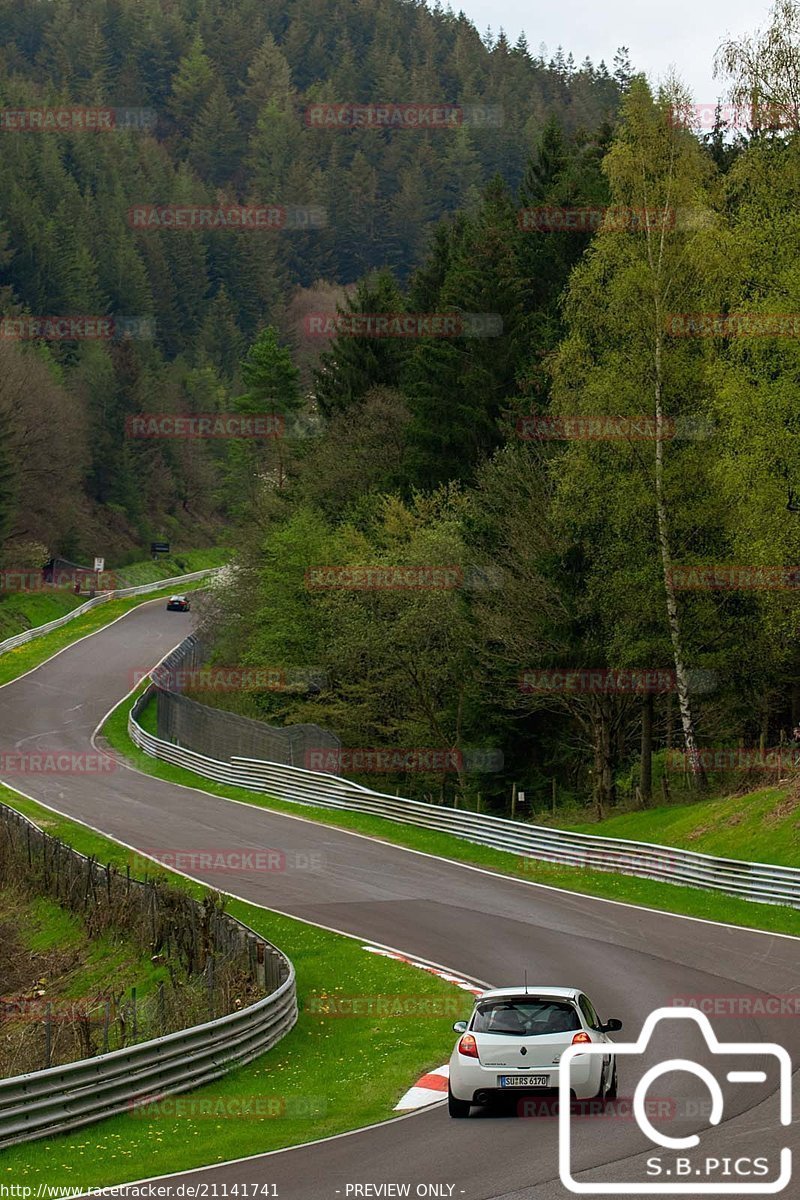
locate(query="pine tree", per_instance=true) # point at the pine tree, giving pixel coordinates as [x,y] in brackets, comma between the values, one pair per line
[215,147]
[352,365]
[269,81]
[521,47]
[623,72]
[270,376]
[192,87]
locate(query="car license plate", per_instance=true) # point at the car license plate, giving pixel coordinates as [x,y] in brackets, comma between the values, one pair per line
[518,1081]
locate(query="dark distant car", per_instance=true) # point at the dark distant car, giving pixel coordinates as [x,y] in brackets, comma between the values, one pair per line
[178,604]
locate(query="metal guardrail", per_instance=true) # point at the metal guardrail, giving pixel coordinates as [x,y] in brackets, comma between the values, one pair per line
[43,1103]
[762,882]
[20,639]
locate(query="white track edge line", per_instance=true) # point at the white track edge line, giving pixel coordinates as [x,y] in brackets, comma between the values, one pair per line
[548,887]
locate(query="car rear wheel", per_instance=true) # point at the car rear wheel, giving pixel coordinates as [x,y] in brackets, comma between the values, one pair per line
[608,1089]
[602,1092]
[457,1108]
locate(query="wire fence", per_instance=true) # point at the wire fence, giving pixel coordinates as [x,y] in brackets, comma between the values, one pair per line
[205,963]
[225,735]
[766,883]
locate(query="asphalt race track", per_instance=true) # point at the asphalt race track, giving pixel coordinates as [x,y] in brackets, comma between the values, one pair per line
[629,961]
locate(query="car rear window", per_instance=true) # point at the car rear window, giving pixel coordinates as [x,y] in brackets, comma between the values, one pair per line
[526,1017]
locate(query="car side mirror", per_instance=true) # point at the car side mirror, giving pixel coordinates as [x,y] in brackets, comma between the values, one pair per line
[460,1027]
[612,1026]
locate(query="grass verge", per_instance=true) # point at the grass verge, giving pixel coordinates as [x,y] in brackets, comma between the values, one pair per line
[762,826]
[25,610]
[671,898]
[49,963]
[327,1076]
[180,562]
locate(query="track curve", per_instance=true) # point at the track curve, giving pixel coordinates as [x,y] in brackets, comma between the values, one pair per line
[630,960]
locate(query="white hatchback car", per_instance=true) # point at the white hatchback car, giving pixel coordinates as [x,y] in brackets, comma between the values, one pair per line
[514,1040]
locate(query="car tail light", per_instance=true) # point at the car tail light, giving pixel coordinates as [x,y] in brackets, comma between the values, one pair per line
[468,1046]
[581,1039]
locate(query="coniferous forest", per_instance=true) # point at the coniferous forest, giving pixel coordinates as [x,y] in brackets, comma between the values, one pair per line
[573,552]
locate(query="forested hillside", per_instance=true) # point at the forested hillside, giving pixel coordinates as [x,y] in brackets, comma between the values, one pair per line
[621,610]
[660,551]
[218,95]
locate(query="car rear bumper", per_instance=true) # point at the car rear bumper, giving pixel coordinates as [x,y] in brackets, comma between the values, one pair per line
[480,1084]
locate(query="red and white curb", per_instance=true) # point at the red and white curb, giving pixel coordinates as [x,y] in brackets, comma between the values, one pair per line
[458,980]
[428,1090]
[432,1087]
